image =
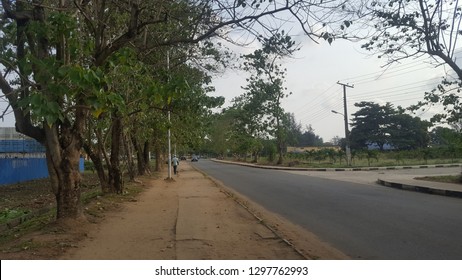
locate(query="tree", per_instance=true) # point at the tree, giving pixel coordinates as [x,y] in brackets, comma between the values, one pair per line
[294,129]
[218,134]
[265,88]
[442,136]
[382,125]
[309,138]
[414,28]
[370,125]
[225,131]
[248,130]
[191,108]
[407,132]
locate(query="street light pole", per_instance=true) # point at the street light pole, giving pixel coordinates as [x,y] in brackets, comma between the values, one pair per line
[168,133]
[345,117]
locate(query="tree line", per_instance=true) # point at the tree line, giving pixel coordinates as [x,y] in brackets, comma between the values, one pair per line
[99,76]
[375,128]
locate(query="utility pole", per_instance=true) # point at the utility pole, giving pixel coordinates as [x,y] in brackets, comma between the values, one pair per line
[168,132]
[345,116]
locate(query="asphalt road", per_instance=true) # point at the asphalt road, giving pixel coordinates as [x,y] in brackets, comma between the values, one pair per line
[365,221]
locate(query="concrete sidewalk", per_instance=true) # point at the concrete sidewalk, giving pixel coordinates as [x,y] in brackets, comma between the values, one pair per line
[211,225]
[192,218]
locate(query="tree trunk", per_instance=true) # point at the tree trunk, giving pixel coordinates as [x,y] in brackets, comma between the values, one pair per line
[99,167]
[115,174]
[159,160]
[281,156]
[139,156]
[63,156]
[280,145]
[146,159]
[130,161]
[142,155]
[255,157]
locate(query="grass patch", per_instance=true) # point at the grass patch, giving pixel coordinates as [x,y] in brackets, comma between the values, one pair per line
[89,196]
[10,214]
[31,225]
[454,179]
[96,203]
[383,160]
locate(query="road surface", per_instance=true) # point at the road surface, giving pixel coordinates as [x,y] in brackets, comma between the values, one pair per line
[364,220]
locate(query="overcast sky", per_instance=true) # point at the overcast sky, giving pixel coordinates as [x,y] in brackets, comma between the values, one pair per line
[313,75]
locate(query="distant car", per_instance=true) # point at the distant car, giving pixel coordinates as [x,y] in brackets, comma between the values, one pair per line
[182,158]
[195,158]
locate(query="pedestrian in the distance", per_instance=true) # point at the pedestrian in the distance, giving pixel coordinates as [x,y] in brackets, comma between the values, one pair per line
[175,163]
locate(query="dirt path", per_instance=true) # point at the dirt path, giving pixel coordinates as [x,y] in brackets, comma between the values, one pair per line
[192,218]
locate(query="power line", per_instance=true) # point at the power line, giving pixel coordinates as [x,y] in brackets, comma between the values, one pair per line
[311,102]
[320,109]
[385,71]
[388,94]
[422,82]
[354,96]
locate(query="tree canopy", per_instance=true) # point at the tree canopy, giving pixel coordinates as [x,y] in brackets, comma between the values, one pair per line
[309,138]
[382,125]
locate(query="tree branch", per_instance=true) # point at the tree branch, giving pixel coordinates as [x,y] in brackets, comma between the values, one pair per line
[16,15]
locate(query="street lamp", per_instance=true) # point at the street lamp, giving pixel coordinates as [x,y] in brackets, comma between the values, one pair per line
[347,137]
[169,135]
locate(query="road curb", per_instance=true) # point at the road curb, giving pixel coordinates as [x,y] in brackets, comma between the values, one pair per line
[252,165]
[416,188]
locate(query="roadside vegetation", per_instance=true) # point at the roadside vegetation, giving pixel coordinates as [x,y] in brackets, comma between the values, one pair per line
[330,158]
[390,137]
[30,207]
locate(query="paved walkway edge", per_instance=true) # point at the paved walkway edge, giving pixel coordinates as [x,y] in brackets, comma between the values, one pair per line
[417,188]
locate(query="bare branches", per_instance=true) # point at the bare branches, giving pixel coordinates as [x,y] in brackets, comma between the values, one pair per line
[407,28]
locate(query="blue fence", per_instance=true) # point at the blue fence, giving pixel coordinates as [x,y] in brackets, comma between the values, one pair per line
[21,146]
[15,170]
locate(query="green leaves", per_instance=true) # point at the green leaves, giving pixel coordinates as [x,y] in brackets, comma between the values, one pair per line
[42,108]
[260,111]
[383,124]
[62,24]
[84,78]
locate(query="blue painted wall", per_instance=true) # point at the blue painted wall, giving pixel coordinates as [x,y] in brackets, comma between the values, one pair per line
[15,170]
[21,146]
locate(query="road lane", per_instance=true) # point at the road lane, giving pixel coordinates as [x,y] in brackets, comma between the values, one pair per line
[365,221]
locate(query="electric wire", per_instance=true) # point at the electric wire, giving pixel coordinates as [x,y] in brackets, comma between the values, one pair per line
[313,112]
